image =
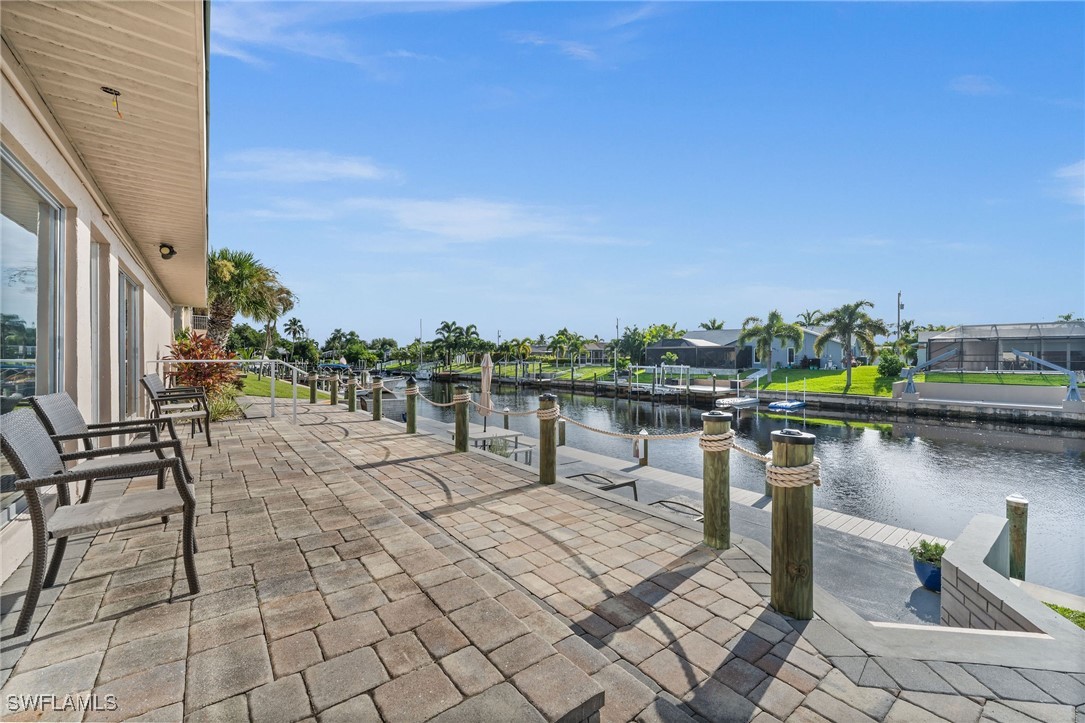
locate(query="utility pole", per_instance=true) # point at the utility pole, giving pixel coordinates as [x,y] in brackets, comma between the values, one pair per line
[899,307]
[616,340]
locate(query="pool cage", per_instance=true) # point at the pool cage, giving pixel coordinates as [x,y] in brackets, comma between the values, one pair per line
[989,347]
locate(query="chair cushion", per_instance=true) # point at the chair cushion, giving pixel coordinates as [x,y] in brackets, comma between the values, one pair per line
[98,515]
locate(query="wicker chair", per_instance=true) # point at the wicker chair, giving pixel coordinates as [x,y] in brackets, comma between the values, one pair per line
[63,421]
[179,404]
[34,459]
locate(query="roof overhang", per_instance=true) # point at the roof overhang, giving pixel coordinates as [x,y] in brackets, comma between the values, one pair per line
[147,162]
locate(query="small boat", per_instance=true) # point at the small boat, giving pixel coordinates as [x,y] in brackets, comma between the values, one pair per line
[736,403]
[789,405]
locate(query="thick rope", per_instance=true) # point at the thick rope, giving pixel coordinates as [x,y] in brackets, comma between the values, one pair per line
[717,442]
[458,398]
[412,392]
[546,414]
[794,476]
[488,410]
[437,404]
[626,435]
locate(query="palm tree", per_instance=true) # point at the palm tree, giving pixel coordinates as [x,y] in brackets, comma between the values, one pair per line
[294,329]
[809,318]
[850,324]
[449,334]
[470,340]
[236,284]
[764,334]
[277,300]
[711,325]
[574,345]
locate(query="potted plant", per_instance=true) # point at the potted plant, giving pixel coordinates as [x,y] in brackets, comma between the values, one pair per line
[927,561]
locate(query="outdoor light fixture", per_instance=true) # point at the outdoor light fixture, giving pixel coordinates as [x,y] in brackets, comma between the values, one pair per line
[167,251]
[116,99]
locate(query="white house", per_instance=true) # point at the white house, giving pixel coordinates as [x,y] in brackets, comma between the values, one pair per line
[103,250]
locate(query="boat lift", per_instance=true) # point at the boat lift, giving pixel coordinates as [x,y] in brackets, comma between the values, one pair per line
[1072,394]
[909,373]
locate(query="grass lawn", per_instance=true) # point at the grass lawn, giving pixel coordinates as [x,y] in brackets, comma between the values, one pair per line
[1031,380]
[262,388]
[864,381]
[1077,617]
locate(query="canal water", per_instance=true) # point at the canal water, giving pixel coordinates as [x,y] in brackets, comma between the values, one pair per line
[921,475]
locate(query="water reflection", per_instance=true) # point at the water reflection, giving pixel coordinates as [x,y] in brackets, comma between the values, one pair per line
[933,477]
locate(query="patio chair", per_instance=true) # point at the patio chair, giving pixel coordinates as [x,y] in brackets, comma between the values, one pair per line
[179,404]
[36,463]
[606,484]
[63,421]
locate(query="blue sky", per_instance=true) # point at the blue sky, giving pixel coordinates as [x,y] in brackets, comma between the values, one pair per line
[525,167]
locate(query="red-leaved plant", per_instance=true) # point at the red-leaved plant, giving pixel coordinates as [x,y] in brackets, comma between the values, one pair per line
[214,378]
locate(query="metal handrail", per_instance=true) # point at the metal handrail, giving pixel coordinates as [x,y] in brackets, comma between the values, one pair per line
[275,363]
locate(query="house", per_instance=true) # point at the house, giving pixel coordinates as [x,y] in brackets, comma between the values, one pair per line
[990,346]
[103,138]
[720,349]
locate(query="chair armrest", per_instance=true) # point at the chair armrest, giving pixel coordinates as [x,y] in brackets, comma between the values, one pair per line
[130,469]
[109,432]
[182,392]
[142,421]
[174,444]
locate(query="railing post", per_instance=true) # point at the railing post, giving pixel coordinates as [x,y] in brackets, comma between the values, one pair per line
[548,451]
[378,398]
[1017,514]
[333,389]
[561,432]
[462,432]
[644,448]
[793,529]
[273,375]
[506,417]
[352,394]
[294,386]
[412,405]
[312,388]
[717,484]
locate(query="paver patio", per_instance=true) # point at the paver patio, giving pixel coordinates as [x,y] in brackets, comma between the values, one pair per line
[352,572]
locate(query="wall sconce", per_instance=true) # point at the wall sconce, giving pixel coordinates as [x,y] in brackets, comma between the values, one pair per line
[167,251]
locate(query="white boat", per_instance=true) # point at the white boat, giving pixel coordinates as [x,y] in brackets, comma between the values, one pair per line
[736,403]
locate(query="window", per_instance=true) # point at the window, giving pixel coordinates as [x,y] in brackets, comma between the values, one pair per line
[791,355]
[30,295]
[129,351]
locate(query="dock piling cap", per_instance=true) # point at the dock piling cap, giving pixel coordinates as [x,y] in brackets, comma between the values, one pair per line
[717,415]
[793,436]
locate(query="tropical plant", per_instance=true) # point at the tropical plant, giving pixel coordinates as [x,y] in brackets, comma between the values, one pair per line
[294,328]
[658,332]
[929,552]
[670,358]
[809,318]
[764,334]
[215,378]
[1069,317]
[889,364]
[850,324]
[277,300]
[448,334]
[236,284]
[632,344]
[711,325]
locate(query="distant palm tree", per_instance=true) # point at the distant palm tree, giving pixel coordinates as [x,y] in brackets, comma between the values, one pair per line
[448,333]
[277,300]
[809,318]
[294,328]
[764,334]
[711,325]
[850,324]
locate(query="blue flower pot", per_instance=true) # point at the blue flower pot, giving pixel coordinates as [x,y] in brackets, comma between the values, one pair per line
[929,576]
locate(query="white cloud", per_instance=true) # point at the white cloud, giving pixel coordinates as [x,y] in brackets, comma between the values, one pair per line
[298,166]
[462,219]
[1070,182]
[976,85]
[570,48]
[626,17]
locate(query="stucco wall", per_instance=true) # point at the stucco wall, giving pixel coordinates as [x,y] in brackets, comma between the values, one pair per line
[992,393]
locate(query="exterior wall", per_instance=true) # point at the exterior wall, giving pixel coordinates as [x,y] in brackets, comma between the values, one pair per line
[27,134]
[989,393]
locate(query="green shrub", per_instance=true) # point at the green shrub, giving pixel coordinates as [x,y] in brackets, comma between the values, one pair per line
[927,551]
[890,365]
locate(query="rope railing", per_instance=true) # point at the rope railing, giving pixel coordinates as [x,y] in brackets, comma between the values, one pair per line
[488,410]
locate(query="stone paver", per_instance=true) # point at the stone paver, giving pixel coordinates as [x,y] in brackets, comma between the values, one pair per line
[350,572]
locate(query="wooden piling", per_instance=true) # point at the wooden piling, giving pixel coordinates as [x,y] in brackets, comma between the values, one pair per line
[352,394]
[717,484]
[377,398]
[312,389]
[793,529]
[1017,514]
[462,432]
[548,451]
[412,406]
[561,432]
[333,389]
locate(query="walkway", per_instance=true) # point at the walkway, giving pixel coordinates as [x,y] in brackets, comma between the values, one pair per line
[351,572]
